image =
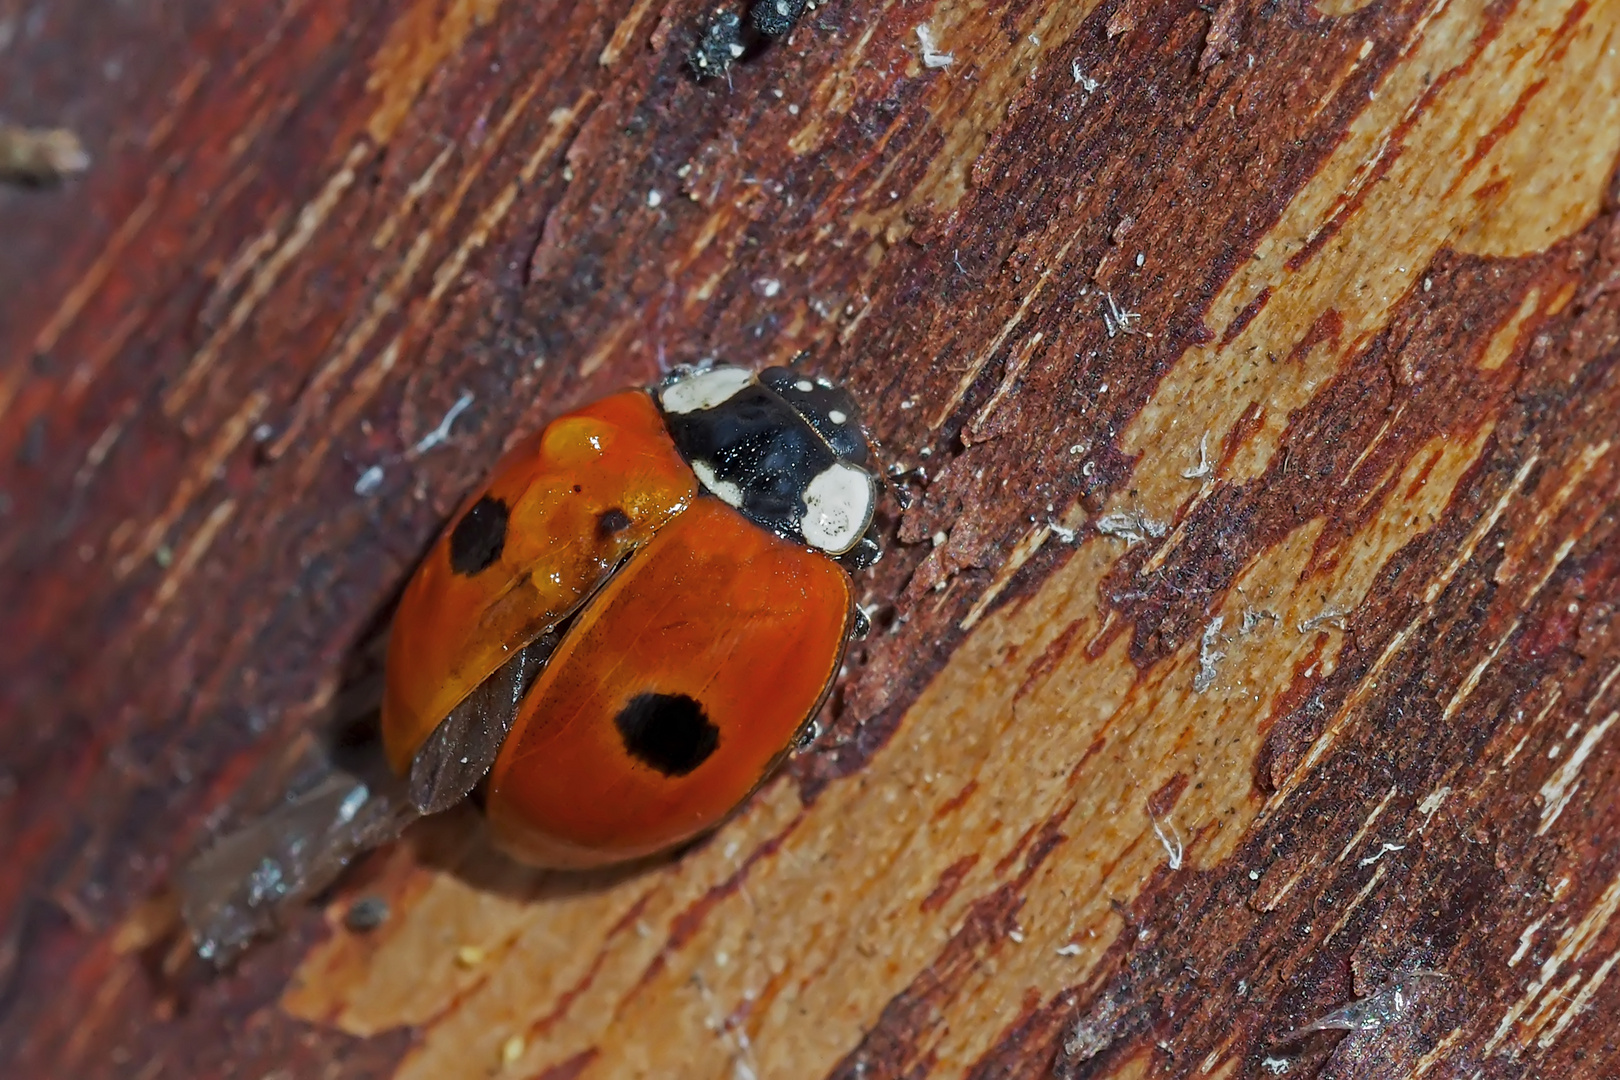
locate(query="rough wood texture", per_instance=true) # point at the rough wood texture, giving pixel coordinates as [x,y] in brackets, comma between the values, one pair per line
[1249,646]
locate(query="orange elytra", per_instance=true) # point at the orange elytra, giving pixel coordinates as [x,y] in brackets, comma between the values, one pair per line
[637,617]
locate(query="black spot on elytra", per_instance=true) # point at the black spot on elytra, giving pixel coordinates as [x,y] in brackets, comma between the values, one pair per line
[611,521]
[479,537]
[667,731]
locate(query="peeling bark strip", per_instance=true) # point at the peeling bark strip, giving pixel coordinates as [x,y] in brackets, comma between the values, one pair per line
[1247,651]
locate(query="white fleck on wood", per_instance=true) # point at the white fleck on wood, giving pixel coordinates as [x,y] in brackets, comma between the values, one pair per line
[1571,946]
[1361,833]
[1560,787]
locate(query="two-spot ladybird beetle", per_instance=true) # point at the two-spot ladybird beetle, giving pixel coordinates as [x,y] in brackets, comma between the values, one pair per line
[618,638]
[634,620]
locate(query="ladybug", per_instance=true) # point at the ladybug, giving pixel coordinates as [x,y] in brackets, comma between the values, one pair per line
[620,636]
[611,646]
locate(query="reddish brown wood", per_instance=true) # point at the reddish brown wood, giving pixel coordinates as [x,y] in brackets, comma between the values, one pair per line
[1366,255]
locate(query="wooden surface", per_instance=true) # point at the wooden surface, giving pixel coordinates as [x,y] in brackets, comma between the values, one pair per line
[1250,644]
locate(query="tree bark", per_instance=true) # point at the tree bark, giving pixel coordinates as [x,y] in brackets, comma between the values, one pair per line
[1247,650]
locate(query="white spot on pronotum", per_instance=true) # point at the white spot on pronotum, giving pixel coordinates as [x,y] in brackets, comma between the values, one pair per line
[804,386]
[838,506]
[838,416]
[724,490]
[706,390]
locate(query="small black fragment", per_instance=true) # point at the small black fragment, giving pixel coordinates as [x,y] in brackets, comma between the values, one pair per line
[807,737]
[670,732]
[867,550]
[479,537]
[366,914]
[774,18]
[720,46]
[611,521]
[861,625]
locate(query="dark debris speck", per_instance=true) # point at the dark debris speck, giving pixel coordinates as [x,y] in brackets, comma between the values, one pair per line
[720,46]
[775,18]
[366,914]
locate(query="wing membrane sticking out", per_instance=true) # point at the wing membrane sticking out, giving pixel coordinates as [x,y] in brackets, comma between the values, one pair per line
[459,753]
[240,887]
